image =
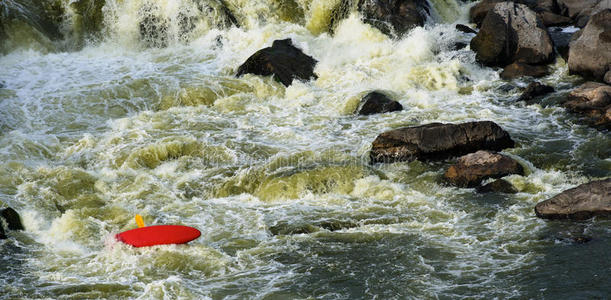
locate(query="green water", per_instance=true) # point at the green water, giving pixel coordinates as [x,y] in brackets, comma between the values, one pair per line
[278,178]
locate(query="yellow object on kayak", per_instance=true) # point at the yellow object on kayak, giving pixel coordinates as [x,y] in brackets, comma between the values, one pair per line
[139,221]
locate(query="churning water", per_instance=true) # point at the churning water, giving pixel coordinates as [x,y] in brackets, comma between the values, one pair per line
[145,116]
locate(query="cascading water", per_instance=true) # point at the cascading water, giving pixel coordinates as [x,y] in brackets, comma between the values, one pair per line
[133,108]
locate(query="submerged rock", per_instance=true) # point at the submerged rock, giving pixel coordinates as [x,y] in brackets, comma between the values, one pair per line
[497,186]
[284,228]
[512,33]
[590,49]
[376,103]
[283,60]
[579,203]
[593,100]
[12,218]
[438,141]
[472,169]
[534,90]
[517,69]
[2,234]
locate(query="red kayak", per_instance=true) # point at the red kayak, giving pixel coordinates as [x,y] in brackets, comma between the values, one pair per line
[158,235]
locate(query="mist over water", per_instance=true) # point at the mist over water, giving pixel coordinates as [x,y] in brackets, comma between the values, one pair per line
[135,109]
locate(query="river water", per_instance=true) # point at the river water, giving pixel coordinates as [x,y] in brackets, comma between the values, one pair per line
[278,178]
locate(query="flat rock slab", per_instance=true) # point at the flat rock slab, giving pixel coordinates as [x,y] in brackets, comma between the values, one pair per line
[579,203]
[283,60]
[472,169]
[438,141]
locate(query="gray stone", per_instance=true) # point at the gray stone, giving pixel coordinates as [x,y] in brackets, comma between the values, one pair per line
[512,33]
[579,203]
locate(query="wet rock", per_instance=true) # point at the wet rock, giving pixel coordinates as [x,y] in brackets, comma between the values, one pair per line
[534,90]
[2,234]
[590,51]
[593,101]
[472,169]
[283,60]
[512,33]
[464,28]
[517,69]
[394,16]
[551,19]
[376,103]
[607,78]
[497,186]
[438,141]
[579,203]
[575,8]
[561,41]
[12,219]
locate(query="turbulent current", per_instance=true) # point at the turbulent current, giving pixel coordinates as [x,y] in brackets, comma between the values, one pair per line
[135,109]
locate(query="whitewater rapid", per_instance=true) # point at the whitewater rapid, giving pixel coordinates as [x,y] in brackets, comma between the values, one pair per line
[91,137]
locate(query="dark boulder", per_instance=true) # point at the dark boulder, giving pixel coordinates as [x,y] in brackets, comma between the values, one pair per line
[593,101]
[497,186]
[579,203]
[512,33]
[283,60]
[438,141]
[590,50]
[534,90]
[377,103]
[394,16]
[12,219]
[465,28]
[2,234]
[561,41]
[517,69]
[472,169]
